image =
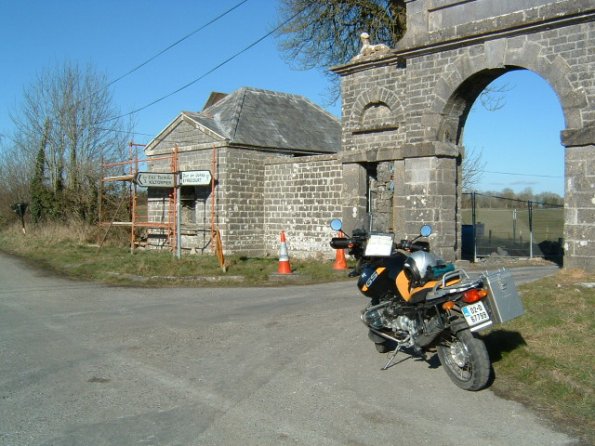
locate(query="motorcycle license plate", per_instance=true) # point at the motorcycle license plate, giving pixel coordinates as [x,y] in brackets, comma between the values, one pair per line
[476,316]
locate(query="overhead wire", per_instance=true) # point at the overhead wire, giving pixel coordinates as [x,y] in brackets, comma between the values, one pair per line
[215,68]
[177,42]
[522,174]
[155,56]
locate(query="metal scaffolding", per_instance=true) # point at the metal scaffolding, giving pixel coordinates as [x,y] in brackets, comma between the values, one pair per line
[127,172]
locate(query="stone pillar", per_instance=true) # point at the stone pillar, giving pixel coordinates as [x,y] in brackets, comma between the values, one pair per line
[355,188]
[400,201]
[426,193]
[579,200]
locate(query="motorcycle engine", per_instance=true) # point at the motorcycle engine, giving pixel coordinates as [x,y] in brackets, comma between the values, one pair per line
[386,316]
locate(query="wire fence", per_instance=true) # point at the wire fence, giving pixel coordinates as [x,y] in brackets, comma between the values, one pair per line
[502,226]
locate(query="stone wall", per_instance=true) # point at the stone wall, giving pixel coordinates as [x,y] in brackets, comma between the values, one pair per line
[579,207]
[243,179]
[301,197]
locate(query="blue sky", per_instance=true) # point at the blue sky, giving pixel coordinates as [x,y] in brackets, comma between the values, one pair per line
[520,143]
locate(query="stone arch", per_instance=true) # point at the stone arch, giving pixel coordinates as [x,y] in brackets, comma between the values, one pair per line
[458,89]
[451,51]
[376,109]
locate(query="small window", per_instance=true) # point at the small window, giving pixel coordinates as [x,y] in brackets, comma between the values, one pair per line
[188,201]
[188,193]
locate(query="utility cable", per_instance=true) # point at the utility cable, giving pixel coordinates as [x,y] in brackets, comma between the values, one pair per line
[152,58]
[155,56]
[522,174]
[202,76]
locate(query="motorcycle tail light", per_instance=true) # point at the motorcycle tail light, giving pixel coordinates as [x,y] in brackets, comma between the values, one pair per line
[474,295]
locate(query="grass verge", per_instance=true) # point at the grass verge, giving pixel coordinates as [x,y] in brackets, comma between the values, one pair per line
[71,250]
[545,358]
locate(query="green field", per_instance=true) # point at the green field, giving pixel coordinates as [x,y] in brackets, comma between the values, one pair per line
[509,230]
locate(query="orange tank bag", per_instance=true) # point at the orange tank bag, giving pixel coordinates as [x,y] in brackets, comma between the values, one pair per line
[418,294]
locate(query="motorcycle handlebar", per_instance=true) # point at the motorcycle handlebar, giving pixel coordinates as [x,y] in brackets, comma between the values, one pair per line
[359,241]
[408,245]
[403,244]
[340,243]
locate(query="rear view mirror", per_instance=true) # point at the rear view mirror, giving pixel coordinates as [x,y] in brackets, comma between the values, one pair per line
[336,224]
[425,231]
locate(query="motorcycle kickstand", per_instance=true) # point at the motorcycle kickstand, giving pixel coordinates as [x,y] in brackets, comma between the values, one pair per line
[390,362]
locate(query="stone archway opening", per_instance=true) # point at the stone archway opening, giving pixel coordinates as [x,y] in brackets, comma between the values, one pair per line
[517,151]
[460,126]
[515,131]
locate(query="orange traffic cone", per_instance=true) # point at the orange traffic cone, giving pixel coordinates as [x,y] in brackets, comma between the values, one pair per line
[284,267]
[340,261]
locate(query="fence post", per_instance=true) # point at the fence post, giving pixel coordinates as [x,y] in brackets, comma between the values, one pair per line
[474,222]
[514,219]
[530,208]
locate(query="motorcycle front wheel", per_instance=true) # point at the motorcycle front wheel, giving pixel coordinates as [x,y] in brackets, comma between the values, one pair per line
[465,360]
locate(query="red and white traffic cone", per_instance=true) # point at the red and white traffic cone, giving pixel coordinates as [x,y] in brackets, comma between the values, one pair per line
[284,267]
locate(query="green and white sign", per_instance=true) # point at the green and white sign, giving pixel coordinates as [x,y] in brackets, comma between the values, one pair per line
[195,178]
[152,179]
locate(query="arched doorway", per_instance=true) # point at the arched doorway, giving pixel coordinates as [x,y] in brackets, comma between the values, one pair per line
[513,171]
[515,126]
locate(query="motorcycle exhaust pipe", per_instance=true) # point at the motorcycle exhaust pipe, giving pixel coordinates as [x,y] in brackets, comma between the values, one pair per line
[389,337]
[371,318]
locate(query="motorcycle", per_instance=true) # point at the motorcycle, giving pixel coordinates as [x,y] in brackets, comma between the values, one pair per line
[420,303]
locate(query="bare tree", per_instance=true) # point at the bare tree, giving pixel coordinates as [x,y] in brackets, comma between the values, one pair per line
[14,181]
[325,33]
[68,112]
[473,167]
[493,97]
[321,34]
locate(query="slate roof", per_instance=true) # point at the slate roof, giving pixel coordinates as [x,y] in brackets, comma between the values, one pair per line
[267,119]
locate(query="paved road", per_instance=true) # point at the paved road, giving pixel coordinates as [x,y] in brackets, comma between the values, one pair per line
[83,364]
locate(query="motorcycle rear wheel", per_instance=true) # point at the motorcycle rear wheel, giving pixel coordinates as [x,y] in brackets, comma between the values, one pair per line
[465,359]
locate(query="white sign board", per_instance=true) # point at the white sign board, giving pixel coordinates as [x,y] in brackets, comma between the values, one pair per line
[379,245]
[195,178]
[151,179]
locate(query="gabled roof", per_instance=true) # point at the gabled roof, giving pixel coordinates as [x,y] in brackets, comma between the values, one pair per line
[267,119]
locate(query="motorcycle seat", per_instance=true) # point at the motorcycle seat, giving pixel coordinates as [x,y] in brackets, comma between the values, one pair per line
[412,294]
[419,294]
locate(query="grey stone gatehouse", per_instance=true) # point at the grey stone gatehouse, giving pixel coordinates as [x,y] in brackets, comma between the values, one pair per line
[395,160]
[274,158]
